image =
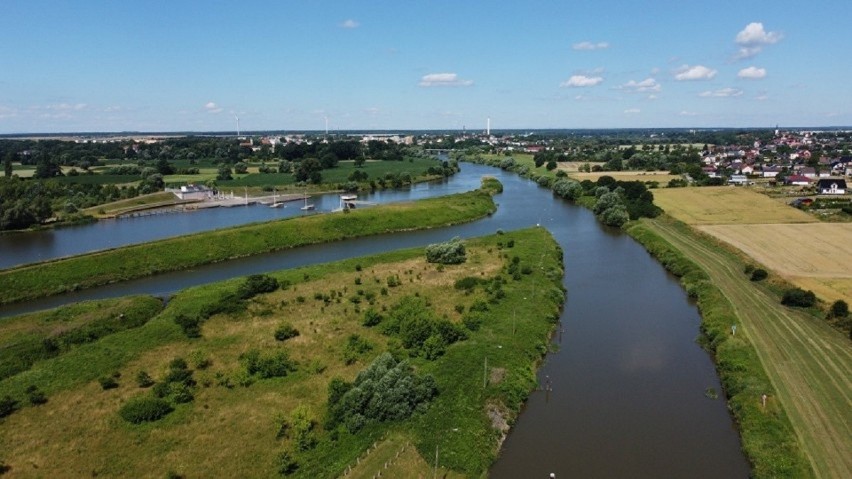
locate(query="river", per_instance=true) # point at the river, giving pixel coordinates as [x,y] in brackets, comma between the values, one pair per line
[628,380]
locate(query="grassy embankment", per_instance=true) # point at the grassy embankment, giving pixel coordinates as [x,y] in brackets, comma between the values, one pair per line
[120,264]
[795,358]
[79,432]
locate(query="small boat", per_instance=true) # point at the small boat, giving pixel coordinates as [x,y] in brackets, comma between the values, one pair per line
[275,203]
[308,206]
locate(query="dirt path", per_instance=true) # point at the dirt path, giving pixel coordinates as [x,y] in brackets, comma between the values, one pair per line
[808,362]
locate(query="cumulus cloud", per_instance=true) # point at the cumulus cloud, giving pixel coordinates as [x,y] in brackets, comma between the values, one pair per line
[581,81]
[349,23]
[443,79]
[646,85]
[697,72]
[721,93]
[632,111]
[590,46]
[753,38]
[212,107]
[752,73]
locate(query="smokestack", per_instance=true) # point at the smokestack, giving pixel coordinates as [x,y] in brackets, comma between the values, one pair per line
[488,127]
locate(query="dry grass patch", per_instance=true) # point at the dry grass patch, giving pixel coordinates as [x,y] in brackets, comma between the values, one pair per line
[725,205]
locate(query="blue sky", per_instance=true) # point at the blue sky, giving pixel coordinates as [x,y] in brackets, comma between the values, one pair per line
[176,65]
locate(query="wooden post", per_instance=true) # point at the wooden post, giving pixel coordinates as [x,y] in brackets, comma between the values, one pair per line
[485,374]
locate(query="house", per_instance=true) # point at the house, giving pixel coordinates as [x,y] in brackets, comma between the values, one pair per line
[808,171]
[771,171]
[739,180]
[193,192]
[831,186]
[747,170]
[797,180]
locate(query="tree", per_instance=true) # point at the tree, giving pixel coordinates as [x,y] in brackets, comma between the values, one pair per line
[47,168]
[839,309]
[7,164]
[450,252]
[224,172]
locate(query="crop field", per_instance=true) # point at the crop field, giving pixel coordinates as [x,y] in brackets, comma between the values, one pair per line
[662,177]
[720,205]
[78,431]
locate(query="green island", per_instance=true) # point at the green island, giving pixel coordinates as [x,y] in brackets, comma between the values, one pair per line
[121,264]
[355,367]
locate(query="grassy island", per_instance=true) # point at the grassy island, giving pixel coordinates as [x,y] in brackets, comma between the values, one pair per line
[121,264]
[272,360]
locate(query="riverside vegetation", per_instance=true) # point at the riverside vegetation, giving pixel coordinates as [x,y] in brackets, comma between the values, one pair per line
[121,264]
[311,368]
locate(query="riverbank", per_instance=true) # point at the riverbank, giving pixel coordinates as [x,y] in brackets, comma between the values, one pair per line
[482,378]
[796,359]
[120,264]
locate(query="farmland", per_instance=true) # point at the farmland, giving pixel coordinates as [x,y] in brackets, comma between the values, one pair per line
[725,205]
[662,177]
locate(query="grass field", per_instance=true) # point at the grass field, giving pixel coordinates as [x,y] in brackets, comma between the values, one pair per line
[808,362]
[725,205]
[233,430]
[153,200]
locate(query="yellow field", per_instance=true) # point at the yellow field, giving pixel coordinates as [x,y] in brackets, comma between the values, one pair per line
[721,205]
[661,177]
[814,256]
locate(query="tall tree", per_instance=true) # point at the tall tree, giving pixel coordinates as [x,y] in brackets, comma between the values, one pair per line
[7,164]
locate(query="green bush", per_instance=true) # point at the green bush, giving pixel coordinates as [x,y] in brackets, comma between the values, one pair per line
[144,409]
[191,326]
[257,284]
[839,309]
[274,365]
[799,298]
[355,347]
[759,274]
[7,406]
[287,463]
[450,252]
[285,332]
[144,380]
[35,396]
[107,382]
[371,318]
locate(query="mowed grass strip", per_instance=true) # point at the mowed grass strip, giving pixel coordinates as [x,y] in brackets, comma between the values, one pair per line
[808,362]
[78,431]
[121,264]
[715,205]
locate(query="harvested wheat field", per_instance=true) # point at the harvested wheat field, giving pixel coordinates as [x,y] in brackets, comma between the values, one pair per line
[720,205]
[662,177]
[815,256]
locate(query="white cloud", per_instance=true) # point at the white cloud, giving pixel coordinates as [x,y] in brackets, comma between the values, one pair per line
[762,97]
[443,79]
[697,72]
[6,112]
[581,81]
[688,113]
[648,84]
[590,46]
[350,23]
[212,107]
[632,111]
[753,38]
[752,73]
[652,97]
[721,93]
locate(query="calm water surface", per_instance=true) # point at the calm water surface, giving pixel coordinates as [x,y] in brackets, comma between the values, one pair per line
[627,380]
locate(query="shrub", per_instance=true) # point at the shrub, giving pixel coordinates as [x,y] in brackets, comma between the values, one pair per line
[144,409]
[759,274]
[798,297]
[355,346]
[35,396]
[468,283]
[371,318]
[450,252]
[144,380]
[285,332]
[257,284]
[7,406]
[388,390]
[287,464]
[107,382]
[274,365]
[191,326]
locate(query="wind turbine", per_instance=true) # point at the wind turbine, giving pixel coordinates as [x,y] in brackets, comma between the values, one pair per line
[326,126]
[238,124]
